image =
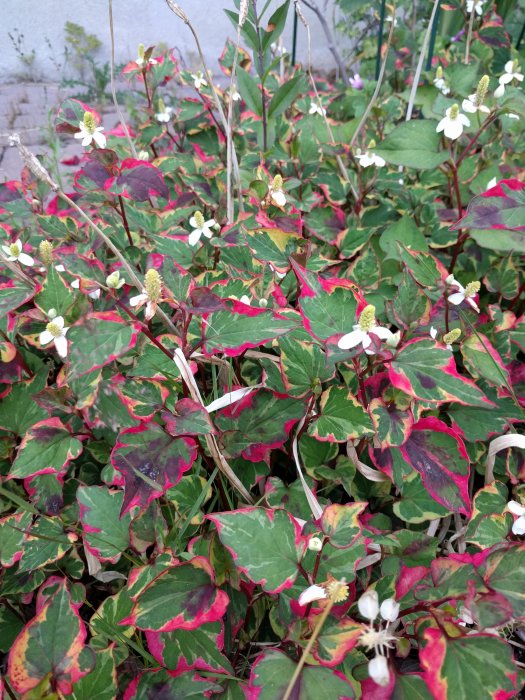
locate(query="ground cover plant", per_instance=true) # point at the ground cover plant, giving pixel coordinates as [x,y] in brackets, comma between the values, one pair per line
[263,383]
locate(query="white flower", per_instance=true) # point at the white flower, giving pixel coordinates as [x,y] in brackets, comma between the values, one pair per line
[89,131]
[441,85]
[151,294]
[281,50]
[56,332]
[389,610]
[477,5]
[378,670]
[391,18]
[200,228]
[511,115]
[115,281]
[14,253]
[465,293]
[518,527]
[368,605]
[453,122]
[143,155]
[198,80]
[164,113]
[316,108]
[369,158]
[275,190]
[312,593]
[360,335]
[315,544]
[235,94]
[471,105]
[512,72]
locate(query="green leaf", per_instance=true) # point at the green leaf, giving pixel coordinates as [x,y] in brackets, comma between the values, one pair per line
[51,644]
[105,533]
[483,360]
[55,294]
[341,417]
[13,294]
[154,685]
[417,505]
[265,545]
[410,307]
[97,340]
[273,671]
[286,94]
[403,231]
[474,666]
[46,543]
[276,25]
[233,333]
[250,92]
[504,572]
[413,144]
[304,367]
[101,682]
[18,410]
[47,447]
[13,529]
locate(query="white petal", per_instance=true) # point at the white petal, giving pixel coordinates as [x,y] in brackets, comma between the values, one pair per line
[45,337]
[210,223]
[516,508]
[518,77]
[456,298]
[389,610]
[499,91]
[79,135]
[60,268]
[442,124]
[368,605]
[151,307]
[367,341]
[99,139]
[518,527]
[61,346]
[312,593]
[378,670]
[206,231]
[380,162]
[195,236]
[139,299]
[506,78]
[26,259]
[433,332]
[279,198]
[453,129]
[382,332]
[464,119]
[75,283]
[228,399]
[509,66]
[472,303]
[365,160]
[468,106]
[193,222]
[87,140]
[350,340]
[6,249]
[18,245]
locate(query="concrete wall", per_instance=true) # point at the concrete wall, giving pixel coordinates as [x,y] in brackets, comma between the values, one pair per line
[136,21]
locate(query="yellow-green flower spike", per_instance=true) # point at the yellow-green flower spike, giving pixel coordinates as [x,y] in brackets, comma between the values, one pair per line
[481,90]
[277,182]
[367,319]
[160,105]
[45,252]
[89,122]
[141,51]
[372,144]
[153,285]
[199,219]
[337,591]
[54,329]
[472,289]
[452,336]
[14,250]
[439,73]
[454,110]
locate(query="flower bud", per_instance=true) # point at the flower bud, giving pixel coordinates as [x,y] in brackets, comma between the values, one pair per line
[52,313]
[143,155]
[389,610]
[452,336]
[368,605]
[315,544]
[378,670]
[114,281]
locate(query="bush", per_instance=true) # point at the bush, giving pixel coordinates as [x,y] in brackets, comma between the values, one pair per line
[261,366]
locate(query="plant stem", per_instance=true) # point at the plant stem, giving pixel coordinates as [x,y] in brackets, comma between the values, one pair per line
[261,74]
[476,136]
[124,219]
[321,619]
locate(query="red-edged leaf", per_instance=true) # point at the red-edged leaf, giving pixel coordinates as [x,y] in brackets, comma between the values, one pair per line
[439,455]
[139,181]
[184,650]
[428,372]
[182,597]
[98,339]
[188,418]
[150,462]
[392,424]
[14,293]
[105,532]
[501,207]
[341,523]
[51,644]
[266,545]
[161,685]
[328,307]
[47,448]
[142,397]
